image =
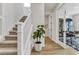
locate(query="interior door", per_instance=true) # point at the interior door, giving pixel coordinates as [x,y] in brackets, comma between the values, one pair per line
[61,30]
[61,23]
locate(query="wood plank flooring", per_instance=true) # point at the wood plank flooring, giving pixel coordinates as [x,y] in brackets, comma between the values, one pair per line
[52,48]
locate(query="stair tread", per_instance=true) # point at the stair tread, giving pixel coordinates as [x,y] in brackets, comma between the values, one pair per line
[13,31]
[11,36]
[14,27]
[9,46]
[8,42]
[8,49]
[23,18]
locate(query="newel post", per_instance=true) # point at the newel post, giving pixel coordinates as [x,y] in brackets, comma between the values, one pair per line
[19,39]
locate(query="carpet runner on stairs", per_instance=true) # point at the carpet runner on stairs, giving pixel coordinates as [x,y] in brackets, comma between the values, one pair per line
[9,45]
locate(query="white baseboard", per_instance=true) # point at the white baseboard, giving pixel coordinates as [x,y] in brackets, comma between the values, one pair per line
[60,43]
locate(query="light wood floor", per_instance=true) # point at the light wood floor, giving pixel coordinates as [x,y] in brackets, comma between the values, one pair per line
[52,48]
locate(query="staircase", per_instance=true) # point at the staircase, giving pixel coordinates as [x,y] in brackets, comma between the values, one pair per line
[9,45]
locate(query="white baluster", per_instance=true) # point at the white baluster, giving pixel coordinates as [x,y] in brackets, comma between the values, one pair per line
[19,38]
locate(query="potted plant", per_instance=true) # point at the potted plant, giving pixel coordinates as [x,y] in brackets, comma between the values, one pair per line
[38,34]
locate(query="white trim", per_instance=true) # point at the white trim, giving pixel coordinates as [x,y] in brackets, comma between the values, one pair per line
[29,38]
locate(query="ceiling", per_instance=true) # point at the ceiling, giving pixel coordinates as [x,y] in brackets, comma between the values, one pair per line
[49,7]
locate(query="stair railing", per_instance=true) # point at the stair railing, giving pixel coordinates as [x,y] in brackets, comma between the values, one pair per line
[24,36]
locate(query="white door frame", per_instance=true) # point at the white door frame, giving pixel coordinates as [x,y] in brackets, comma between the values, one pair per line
[50,26]
[63,44]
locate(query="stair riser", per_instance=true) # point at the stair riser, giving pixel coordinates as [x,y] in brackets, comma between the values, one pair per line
[13,33]
[11,43]
[13,53]
[14,28]
[11,38]
[23,19]
[8,45]
[15,25]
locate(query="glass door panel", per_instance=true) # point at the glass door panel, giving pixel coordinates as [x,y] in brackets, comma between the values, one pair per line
[61,30]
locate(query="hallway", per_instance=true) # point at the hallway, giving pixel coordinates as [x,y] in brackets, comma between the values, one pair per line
[52,48]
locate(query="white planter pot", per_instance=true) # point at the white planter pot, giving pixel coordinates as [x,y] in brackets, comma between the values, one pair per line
[38,47]
[43,42]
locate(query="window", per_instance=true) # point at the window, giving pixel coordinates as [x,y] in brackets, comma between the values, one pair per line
[69,24]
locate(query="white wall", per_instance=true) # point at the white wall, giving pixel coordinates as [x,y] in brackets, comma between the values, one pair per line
[72,8]
[27,10]
[38,16]
[0,19]
[12,12]
[50,27]
[0,26]
[19,10]
[0,9]
[76,22]
[46,25]
[72,12]
[37,13]
[53,26]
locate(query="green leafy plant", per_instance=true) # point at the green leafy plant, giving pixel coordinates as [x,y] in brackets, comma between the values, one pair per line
[39,33]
